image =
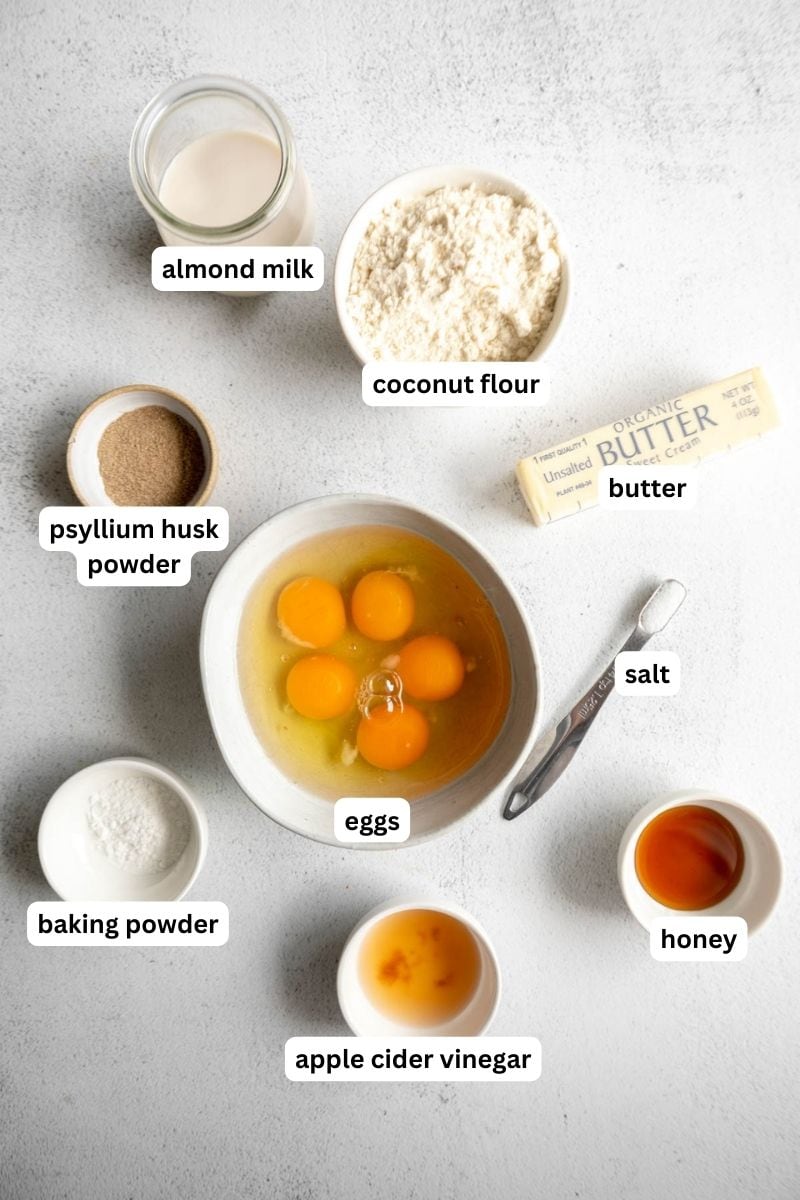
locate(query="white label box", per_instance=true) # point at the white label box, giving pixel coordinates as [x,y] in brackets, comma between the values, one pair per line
[133,545]
[128,923]
[372,819]
[699,939]
[413,1059]
[455,385]
[650,488]
[647,673]
[237,269]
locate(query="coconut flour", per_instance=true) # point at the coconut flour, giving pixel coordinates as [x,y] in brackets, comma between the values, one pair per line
[457,275]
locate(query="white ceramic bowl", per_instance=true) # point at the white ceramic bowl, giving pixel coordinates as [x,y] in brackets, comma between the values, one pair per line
[367,1021]
[83,465]
[77,870]
[278,796]
[420,183]
[756,893]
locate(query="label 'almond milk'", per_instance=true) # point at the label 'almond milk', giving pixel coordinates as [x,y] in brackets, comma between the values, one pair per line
[564,479]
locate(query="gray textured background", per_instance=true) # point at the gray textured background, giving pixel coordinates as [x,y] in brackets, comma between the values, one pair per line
[665,137]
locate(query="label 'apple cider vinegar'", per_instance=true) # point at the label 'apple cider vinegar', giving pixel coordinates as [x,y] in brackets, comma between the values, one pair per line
[420,967]
[689,857]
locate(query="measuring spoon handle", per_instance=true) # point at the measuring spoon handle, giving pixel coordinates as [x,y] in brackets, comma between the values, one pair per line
[567,736]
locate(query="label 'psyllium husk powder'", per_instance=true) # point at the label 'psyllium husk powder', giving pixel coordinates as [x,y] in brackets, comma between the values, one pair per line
[458,275]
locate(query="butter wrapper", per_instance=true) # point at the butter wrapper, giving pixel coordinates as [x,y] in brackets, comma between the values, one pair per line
[564,479]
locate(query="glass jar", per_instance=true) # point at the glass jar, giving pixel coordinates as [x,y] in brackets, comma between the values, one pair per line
[210,104]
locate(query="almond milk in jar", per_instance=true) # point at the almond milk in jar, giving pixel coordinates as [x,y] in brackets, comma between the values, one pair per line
[213,161]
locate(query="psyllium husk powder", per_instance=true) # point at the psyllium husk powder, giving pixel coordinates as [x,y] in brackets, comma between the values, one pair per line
[151,456]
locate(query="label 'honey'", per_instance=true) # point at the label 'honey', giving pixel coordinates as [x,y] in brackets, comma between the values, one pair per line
[689,857]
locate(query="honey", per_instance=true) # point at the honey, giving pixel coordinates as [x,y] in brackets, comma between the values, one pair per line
[689,857]
[355,609]
[420,967]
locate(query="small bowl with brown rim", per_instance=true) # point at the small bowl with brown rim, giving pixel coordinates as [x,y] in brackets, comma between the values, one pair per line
[83,448]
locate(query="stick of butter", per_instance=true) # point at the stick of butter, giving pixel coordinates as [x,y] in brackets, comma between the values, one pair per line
[563,480]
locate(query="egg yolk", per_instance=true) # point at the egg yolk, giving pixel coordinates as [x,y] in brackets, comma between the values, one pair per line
[321,686]
[383,606]
[431,667]
[392,738]
[311,612]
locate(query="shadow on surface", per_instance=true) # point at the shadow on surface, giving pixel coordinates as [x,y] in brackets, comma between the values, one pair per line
[159,671]
[137,240]
[48,467]
[28,795]
[583,859]
[309,960]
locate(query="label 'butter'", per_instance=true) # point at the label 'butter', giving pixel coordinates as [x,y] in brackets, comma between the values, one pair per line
[563,480]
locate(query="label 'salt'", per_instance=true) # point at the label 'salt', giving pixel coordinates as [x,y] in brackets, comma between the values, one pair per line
[647,673]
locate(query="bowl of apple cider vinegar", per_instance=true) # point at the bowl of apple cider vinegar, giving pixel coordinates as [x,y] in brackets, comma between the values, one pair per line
[418,968]
[701,854]
[357,646]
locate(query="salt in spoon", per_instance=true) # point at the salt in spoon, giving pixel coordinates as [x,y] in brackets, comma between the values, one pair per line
[554,751]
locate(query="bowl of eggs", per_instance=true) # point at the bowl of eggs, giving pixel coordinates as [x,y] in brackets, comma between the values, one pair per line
[358,646]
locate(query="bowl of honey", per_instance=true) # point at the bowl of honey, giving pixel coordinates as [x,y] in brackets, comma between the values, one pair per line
[358,646]
[418,968]
[701,854]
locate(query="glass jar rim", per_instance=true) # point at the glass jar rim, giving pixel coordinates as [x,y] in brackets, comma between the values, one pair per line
[181,93]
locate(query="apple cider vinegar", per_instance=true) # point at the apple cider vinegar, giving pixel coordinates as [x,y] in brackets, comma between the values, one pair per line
[420,967]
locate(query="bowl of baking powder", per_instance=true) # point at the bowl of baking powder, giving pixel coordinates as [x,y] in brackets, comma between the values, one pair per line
[451,264]
[123,829]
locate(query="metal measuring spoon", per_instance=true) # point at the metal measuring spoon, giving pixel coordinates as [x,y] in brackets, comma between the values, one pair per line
[554,751]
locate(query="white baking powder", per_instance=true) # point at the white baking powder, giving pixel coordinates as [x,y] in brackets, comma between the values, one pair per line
[139,823]
[458,275]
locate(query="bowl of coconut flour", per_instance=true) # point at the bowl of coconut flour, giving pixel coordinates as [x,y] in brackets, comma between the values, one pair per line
[451,264]
[123,829]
